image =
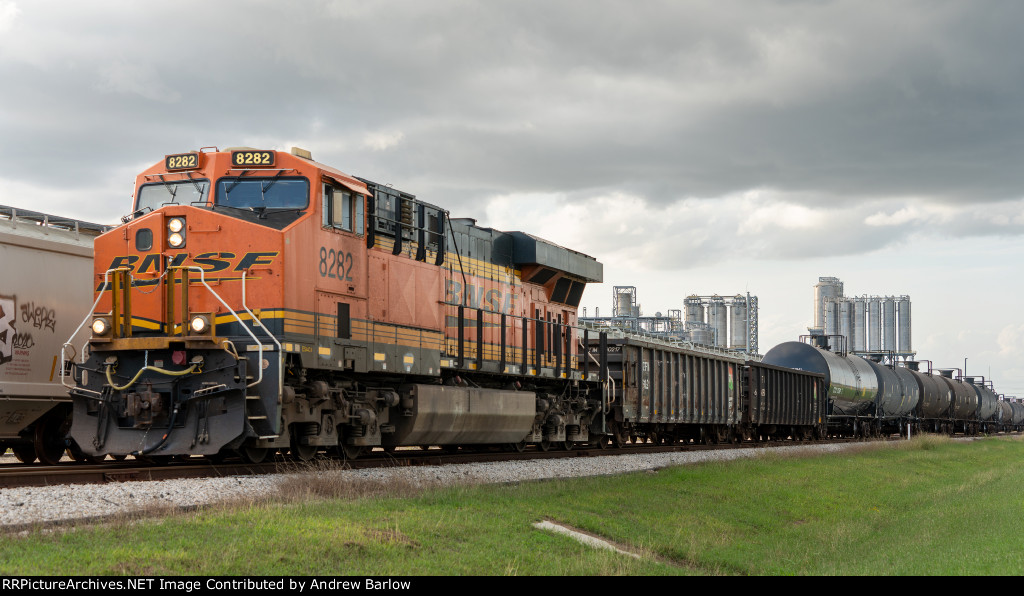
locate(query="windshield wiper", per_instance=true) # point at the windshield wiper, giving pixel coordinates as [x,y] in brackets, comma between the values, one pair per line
[172,189]
[195,183]
[235,183]
[272,181]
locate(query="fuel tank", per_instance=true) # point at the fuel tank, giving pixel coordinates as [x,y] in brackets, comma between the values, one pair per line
[852,382]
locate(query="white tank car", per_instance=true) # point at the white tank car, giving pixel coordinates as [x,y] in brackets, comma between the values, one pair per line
[46,290]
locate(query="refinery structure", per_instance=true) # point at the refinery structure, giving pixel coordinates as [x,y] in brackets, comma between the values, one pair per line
[728,323]
[865,325]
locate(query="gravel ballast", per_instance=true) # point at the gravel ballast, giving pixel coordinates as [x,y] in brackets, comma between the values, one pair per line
[32,505]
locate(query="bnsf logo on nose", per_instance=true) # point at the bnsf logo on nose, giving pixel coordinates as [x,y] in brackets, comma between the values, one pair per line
[210,262]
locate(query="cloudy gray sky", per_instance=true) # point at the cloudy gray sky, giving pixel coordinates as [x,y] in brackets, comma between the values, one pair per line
[691,146]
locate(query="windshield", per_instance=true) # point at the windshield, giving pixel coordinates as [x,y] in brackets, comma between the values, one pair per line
[182,192]
[263,193]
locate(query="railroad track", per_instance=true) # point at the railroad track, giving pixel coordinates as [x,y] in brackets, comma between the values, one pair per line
[69,472]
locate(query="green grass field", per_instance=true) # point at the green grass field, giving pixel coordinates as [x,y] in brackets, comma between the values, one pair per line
[926,507]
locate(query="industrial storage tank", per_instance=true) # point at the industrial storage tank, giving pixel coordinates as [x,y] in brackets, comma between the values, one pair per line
[700,333]
[903,333]
[846,322]
[860,315]
[831,310]
[718,319]
[889,324]
[624,305]
[694,310]
[738,323]
[852,383]
[988,401]
[827,288]
[874,324]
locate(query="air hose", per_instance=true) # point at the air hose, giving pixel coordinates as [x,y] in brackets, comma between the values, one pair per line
[162,371]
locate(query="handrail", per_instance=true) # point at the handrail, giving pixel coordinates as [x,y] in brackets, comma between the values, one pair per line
[88,316]
[202,280]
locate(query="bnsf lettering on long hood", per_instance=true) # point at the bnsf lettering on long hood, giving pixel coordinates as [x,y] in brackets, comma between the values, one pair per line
[209,262]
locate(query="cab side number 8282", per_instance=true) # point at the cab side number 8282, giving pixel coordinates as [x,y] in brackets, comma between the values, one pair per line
[335,264]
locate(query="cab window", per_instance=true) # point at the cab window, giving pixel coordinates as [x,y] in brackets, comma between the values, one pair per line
[343,209]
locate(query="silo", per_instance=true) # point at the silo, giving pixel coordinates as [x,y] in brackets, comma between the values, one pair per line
[889,324]
[700,333]
[846,323]
[831,310]
[903,335]
[694,309]
[827,288]
[718,319]
[874,324]
[860,315]
[625,297]
[738,323]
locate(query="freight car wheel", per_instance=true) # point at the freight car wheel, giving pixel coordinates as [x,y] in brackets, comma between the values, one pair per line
[49,443]
[303,452]
[568,445]
[520,446]
[26,454]
[545,445]
[350,452]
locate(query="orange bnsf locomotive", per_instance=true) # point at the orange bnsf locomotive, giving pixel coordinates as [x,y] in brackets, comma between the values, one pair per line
[257,301]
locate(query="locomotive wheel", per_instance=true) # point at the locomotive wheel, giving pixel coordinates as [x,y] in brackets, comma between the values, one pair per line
[254,455]
[78,455]
[26,454]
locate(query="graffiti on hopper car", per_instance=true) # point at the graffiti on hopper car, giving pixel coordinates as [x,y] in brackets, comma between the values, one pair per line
[7,330]
[39,317]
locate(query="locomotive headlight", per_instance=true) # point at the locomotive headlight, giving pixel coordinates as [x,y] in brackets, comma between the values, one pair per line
[199,324]
[100,327]
[176,232]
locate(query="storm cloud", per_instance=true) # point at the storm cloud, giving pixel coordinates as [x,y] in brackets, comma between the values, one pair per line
[671,134]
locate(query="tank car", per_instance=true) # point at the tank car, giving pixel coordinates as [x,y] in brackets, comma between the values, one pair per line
[865,397]
[257,301]
[932,413]
[44,293]
[988,413]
